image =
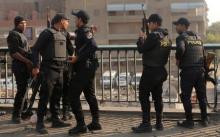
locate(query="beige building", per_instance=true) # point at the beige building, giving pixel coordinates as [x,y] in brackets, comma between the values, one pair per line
[119,21]
[34,11]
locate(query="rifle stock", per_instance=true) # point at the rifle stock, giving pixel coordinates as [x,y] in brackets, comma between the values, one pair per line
[144,22]
[48,18]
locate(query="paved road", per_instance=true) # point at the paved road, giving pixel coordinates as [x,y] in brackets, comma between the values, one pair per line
[114,125]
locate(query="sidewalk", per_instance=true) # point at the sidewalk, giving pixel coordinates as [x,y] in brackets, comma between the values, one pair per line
[117,124]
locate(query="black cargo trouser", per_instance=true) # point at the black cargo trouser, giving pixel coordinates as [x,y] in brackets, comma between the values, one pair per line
[193,77]
[21,77]
[66,83]
[50,92]
[83,81]
[151,82]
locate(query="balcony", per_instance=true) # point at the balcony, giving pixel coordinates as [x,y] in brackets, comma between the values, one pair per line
[122,36]
[127,19]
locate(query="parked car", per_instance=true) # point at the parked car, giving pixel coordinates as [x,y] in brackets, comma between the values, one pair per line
[136,78]
[107,80]
[123,81]
[3,82]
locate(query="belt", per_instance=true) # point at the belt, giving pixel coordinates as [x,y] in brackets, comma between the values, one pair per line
[54,62]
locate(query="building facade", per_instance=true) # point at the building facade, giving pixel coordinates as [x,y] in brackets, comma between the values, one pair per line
[34,11]
[119,21]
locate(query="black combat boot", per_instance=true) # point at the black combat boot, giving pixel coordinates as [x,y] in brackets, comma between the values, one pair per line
[57,123]
[142,128]
[186,124]
[205,121]
[159,123]
[16,119]
[40,128]
[80,128]
[94,125]
[145,126]
[204,116]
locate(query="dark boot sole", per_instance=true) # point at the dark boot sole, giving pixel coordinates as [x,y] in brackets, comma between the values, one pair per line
[60,126]
[94,129]
[42,132]
[185,126]
[80,132]
[145,131]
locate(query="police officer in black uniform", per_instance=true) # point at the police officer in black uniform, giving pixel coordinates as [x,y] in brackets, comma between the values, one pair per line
[21,63]
[155,49]
[85,65]
[51,45]
[190,59]
[67,72]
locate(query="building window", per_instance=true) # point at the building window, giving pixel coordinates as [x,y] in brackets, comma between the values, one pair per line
[96,12]
[186,6]
[115,7]
[112,13]
[126,7]
[131,12]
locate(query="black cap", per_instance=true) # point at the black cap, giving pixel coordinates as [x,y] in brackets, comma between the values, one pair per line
[155,18]
[182,21]
[58,17]
[18,20]
[83,15]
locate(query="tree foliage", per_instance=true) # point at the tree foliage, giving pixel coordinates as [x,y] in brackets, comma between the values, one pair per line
[213,33]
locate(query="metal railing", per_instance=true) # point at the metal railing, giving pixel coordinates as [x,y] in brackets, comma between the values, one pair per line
[117,78]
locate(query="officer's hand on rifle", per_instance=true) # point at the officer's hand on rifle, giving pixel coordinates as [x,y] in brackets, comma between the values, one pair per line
[35,72]
[73,59]
[93,29]
[142,35]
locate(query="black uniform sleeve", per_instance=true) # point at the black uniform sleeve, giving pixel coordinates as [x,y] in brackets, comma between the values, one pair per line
[88,49]
[42,41]
[148,44]
[69,47]
[13,43]
[180,47]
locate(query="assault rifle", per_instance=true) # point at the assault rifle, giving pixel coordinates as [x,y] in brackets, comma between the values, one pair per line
[207,64]
[208,60]
[144,22]
[34,85]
